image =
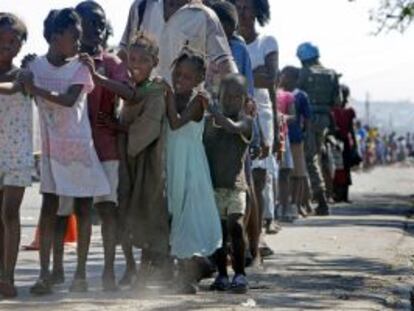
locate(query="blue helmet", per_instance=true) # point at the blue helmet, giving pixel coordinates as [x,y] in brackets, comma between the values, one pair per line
[307,51]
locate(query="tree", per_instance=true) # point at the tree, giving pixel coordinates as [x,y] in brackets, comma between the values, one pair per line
[393,14]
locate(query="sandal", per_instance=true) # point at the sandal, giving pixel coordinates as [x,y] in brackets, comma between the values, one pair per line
[221,283]
[7,290]
[41,287]
[239,285]
[78,286]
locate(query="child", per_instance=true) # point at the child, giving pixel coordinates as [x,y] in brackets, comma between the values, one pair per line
[102,106]
[286,109]
[227,137]
[142,151]
[16,160]
[71,173]
[195,227]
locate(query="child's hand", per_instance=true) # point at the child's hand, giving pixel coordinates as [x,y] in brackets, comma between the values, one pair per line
[265,152]
[88,62]
[203,98]
[250,108]
[26,77]
[27,60]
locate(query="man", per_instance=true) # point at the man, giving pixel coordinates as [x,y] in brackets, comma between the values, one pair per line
[322,86]
[175,24]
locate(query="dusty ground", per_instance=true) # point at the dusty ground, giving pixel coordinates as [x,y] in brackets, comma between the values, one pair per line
[358,259]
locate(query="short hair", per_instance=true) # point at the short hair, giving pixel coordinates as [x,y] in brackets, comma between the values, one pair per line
[16,24]
[226,12]
[193,56]
[88,5]
[291,71]
[58,21]
[145,41]
[235,78]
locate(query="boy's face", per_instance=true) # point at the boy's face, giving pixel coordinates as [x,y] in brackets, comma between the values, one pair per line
[232,98]
[140,64]
[228,28]
[10,44]
[68,42]
[185,77]
[94,27]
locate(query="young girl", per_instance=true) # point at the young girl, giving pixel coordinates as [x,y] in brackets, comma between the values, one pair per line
[16,148]
[142,167]
[195,227]
[71,173]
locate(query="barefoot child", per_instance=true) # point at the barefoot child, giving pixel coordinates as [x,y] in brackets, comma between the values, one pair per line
[102,106]
[195,227]
[71,173]
[142,151]
[227,137]
[16,148]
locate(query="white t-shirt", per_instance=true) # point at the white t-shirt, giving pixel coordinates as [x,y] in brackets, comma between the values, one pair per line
[258,50]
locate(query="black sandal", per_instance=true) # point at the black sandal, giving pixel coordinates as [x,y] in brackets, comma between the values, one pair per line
[41,287]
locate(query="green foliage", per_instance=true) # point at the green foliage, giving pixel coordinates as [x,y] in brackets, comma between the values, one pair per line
[393,15]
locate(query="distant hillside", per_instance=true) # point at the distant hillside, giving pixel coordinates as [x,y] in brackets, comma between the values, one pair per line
[388,116]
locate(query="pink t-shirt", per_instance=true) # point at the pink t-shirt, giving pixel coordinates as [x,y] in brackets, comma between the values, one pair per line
[285,101]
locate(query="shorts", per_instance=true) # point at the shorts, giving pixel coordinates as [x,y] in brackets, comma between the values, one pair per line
[230,201]
[111,169]
[298,154]
[16,178]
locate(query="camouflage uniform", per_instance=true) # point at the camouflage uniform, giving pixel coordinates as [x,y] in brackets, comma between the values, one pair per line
[322,87]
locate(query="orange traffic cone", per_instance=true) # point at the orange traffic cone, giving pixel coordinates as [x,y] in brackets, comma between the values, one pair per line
[71,235]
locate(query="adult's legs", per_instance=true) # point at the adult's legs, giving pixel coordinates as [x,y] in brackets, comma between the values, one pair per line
[58,272]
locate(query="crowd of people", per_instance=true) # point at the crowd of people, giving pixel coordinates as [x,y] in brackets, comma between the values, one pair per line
[189,142]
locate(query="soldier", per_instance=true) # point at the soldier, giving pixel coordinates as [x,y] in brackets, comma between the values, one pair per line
[322,86]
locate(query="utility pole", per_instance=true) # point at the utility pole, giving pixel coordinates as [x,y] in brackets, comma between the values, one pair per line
[367,109]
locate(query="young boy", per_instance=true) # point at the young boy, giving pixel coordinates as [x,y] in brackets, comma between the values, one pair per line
[227,137]
[142,151]
[102,107]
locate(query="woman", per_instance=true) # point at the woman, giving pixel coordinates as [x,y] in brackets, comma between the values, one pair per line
[344,119]
[264,56]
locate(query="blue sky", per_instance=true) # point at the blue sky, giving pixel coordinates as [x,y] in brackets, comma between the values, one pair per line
[381,65]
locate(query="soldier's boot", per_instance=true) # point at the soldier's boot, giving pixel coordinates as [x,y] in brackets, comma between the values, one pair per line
[322,209]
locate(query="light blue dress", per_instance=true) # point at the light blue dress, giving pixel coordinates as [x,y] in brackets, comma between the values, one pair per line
[195,227]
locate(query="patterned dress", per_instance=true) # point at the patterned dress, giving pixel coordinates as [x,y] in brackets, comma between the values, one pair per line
[16,135]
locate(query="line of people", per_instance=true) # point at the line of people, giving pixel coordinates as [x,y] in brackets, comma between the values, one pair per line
[187,142]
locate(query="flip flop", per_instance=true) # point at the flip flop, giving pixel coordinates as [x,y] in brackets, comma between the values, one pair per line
[239,285]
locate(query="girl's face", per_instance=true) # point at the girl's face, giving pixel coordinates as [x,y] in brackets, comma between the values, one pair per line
[68,43]
[185,77]
[10,44]
[140,64]
[247,13]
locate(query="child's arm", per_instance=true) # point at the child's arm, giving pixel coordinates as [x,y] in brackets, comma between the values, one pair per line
[9,88]
[119,88]
[67,99]
[194,111]
[243,127]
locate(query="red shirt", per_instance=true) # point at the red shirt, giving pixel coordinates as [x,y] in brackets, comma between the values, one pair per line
[103,100]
